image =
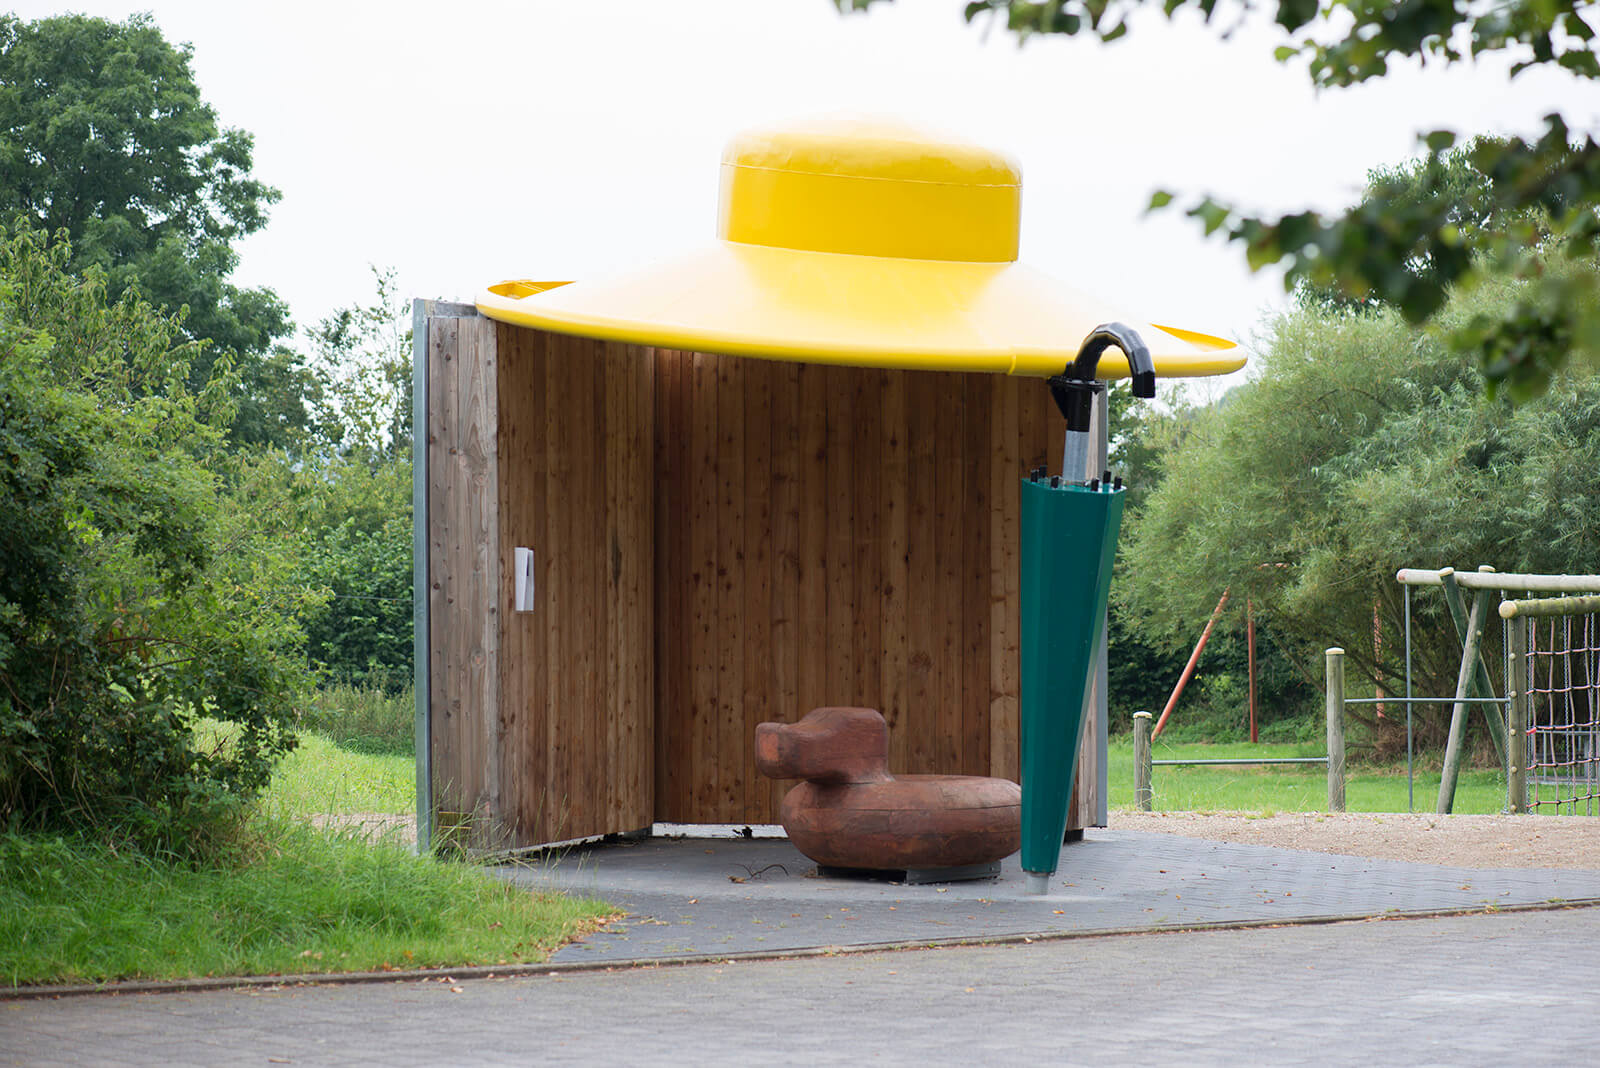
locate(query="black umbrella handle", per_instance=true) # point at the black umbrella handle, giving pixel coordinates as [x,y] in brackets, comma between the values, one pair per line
[1128,340]
[1074,389]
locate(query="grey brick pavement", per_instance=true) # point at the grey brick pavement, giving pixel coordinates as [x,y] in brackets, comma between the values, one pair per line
[684,901]
[1480,989]
[1485,989]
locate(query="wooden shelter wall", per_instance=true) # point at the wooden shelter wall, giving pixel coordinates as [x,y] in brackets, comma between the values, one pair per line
[577,673]
[830,535]
[464,576]
[719,542]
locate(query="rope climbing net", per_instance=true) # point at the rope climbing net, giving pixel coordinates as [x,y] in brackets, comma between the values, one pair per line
[1549,739]
[1563,673]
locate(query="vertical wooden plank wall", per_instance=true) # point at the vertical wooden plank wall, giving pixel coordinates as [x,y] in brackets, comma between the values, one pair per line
[542,722]
[577,689]
[464,577]
[718,542]
[834,536]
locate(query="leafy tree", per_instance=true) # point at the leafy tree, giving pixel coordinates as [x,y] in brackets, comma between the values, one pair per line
[1144,664]
[104,136]
[148,660]
[1543,189]
[1366,445]
[1449,177]
[364,353]
[361,547]
[348,495]
[363,632]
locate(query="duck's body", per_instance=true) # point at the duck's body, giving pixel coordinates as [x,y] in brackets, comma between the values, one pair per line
[911,821]
[851,813]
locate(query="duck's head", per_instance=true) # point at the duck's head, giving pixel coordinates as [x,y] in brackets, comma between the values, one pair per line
[830,745]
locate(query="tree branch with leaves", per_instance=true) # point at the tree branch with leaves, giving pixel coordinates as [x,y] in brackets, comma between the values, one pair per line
[1543,191]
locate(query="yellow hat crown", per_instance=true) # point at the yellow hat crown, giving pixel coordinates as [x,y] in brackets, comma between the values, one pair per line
[870,188]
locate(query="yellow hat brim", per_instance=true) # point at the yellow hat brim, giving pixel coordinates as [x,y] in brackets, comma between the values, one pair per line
[862,311]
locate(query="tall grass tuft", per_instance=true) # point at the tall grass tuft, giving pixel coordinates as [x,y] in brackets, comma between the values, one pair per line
[75,910]
[375,716]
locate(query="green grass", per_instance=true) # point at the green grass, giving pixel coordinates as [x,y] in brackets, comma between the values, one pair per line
[320,778]
[305,901]
[1285,788]
[290,899]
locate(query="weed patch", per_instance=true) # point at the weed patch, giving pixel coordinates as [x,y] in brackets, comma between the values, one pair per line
[302,900]
[372,717]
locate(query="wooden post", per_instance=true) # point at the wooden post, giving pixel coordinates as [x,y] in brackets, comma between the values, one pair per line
[1458,712]
[1188,669]
[1141,761]
[1482,684]
[1335,686]
[1250,645]
[1517,728]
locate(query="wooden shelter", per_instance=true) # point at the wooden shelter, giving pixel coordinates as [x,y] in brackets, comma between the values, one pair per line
[717,541]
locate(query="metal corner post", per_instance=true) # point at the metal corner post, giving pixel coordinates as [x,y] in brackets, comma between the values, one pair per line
[1102,676]
[1088,455]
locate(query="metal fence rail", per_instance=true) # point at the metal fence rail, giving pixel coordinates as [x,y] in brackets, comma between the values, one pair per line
[1143,794]
[1245,760]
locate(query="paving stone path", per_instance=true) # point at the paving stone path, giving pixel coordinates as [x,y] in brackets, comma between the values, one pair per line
[1490,987]
[1469,990]
[692,897]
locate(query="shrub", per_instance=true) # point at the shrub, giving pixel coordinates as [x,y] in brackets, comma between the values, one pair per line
[349,521]
[362,633]
[130,583]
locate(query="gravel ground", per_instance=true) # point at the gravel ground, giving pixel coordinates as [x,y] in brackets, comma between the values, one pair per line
[1423,838]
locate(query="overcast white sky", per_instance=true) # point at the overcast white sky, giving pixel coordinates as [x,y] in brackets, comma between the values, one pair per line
[467,142]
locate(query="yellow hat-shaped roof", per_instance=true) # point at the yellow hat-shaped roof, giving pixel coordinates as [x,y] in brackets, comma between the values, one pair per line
[857,242]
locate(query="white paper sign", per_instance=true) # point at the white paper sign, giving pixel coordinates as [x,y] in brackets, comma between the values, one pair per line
[524,568]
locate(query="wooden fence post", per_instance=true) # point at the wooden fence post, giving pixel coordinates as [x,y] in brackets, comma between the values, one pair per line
[1456,742]
[1482,683]
[1335,729]
[1517,727]
[1141,760]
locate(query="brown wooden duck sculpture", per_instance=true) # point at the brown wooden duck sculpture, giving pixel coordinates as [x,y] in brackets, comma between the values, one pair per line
[851,813]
